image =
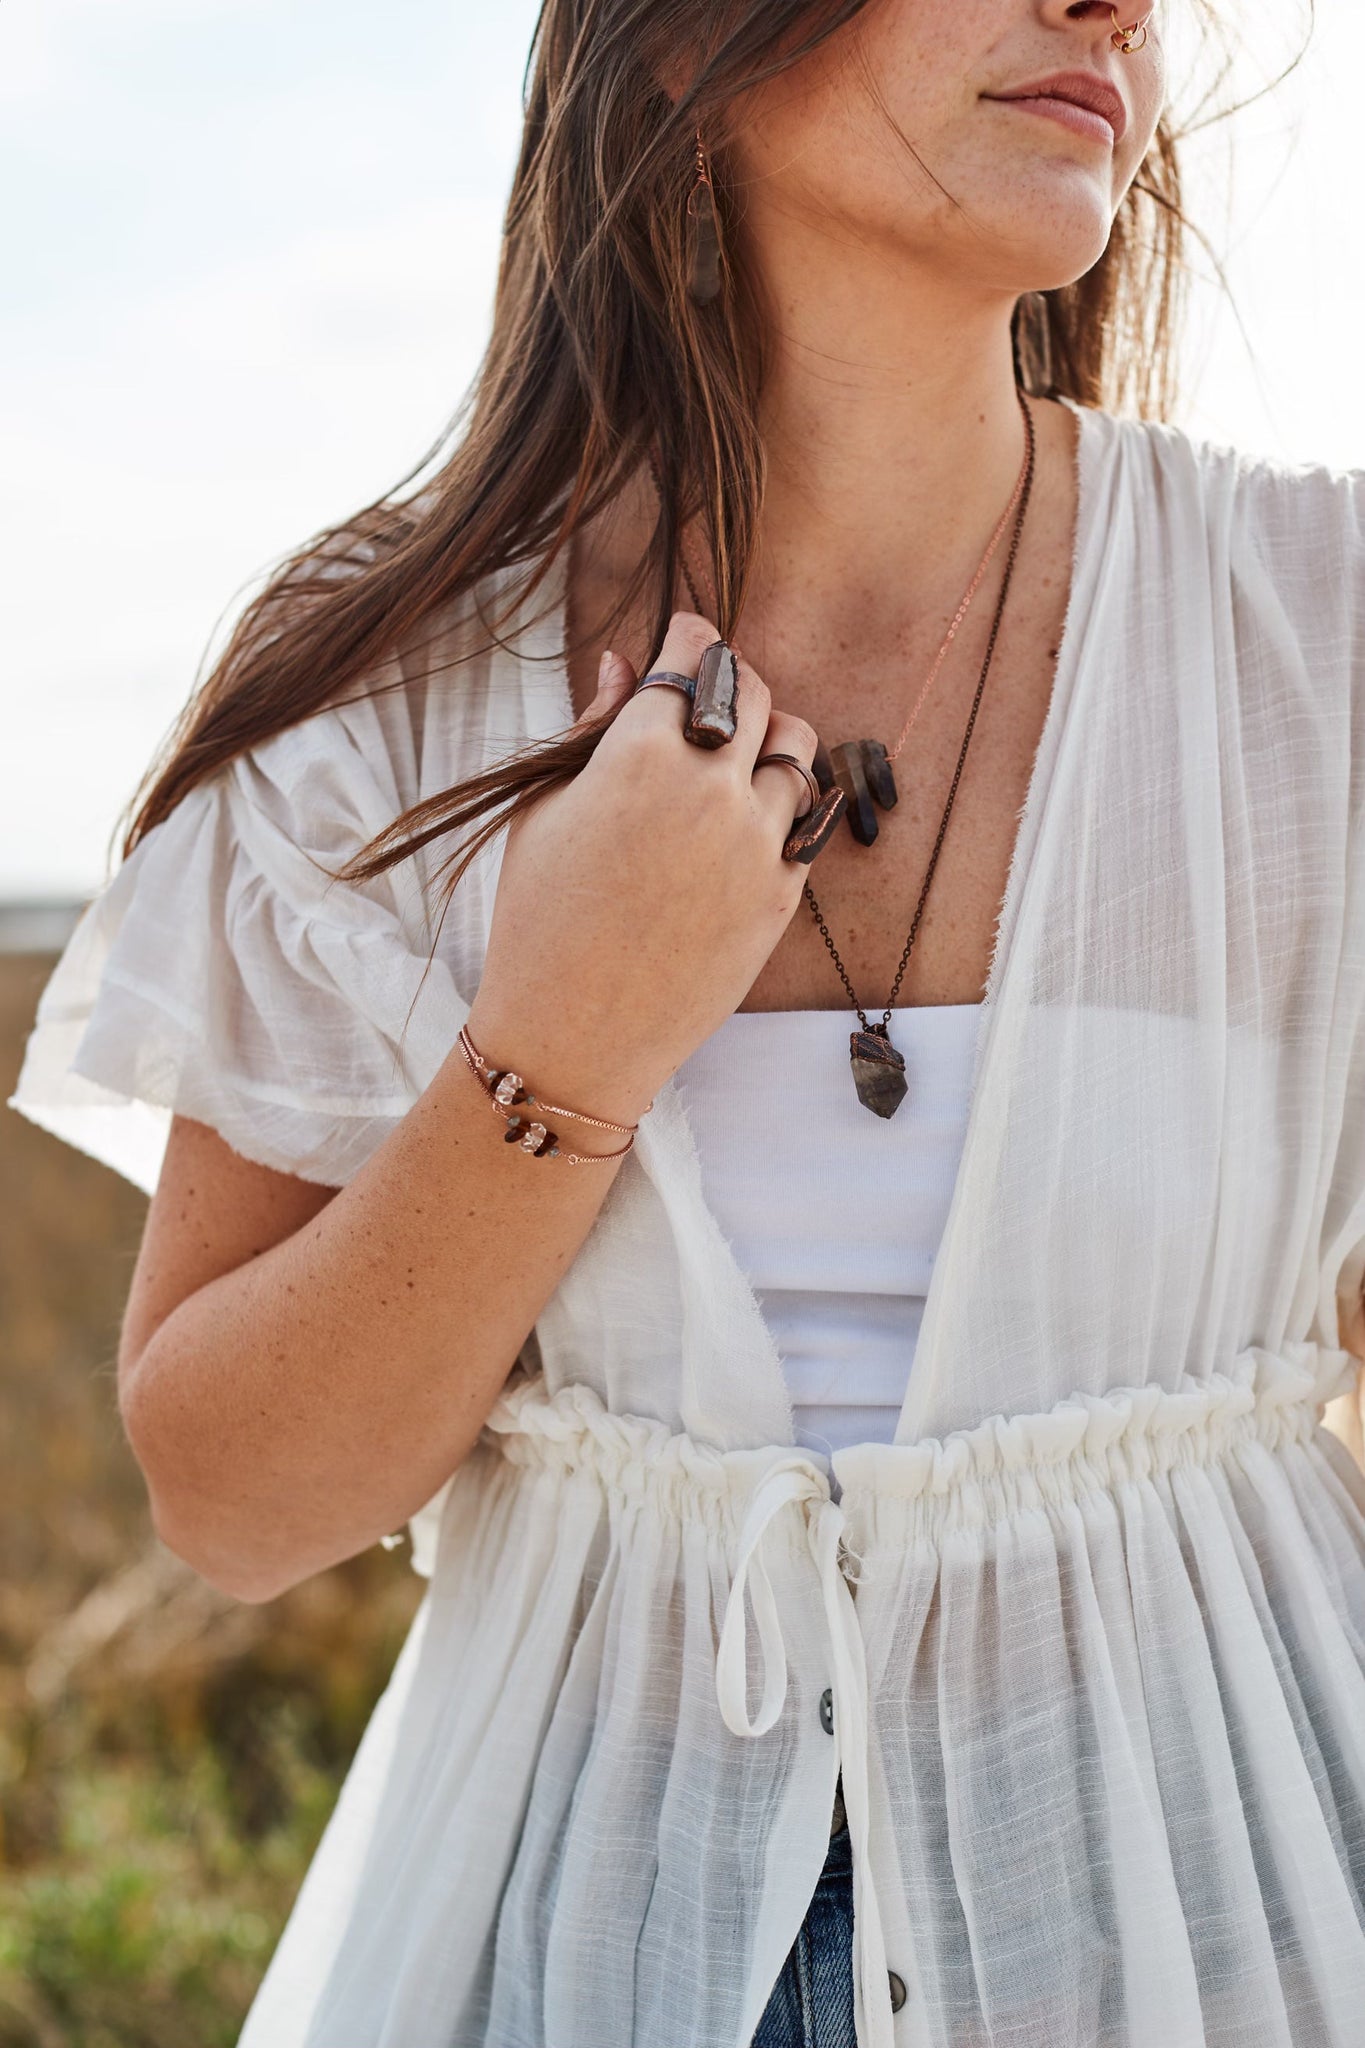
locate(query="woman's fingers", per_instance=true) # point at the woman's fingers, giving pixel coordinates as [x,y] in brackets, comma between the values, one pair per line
[616,680]
[779,792]
[666,709]
[802,819]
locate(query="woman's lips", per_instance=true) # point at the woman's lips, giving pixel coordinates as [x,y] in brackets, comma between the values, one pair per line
[1084,120]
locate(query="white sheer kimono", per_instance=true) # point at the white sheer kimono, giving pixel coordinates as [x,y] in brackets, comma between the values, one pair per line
[1093,1627]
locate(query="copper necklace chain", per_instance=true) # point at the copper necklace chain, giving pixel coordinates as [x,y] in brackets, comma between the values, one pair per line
[893,753]
[878,1067]
[889,756]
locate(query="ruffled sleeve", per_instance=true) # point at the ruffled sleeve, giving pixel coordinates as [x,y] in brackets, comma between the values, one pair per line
[222,972]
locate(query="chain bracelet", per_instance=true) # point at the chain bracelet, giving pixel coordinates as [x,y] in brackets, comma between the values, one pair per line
[506,1093]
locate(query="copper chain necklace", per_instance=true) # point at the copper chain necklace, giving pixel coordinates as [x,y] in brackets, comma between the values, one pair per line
[863,769]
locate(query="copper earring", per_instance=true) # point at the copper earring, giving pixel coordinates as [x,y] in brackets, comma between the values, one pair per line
[703,267]
[1122,38]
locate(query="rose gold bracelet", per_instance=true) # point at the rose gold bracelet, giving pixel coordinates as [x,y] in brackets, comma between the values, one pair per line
[506,1090]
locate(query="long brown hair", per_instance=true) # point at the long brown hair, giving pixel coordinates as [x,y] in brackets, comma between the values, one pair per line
[597,356]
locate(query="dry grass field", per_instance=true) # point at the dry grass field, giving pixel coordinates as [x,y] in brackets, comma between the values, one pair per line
[167,1756]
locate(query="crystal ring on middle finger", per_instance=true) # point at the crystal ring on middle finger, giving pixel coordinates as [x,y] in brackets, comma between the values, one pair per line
[713,719]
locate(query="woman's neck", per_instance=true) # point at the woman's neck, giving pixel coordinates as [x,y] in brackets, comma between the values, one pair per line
[839,604]
[883,483]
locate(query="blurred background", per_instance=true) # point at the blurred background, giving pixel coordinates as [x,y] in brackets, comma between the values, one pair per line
[249,252]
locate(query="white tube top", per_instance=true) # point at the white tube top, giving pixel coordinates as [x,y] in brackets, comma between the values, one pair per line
[834,1214]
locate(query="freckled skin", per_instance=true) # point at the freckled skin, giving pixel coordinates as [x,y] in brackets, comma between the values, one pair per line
[288,1402]
[894,442]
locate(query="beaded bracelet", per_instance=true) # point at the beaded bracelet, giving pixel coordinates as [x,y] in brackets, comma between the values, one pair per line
[506,1090]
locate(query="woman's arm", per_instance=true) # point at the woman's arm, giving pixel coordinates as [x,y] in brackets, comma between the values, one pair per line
[301,1369]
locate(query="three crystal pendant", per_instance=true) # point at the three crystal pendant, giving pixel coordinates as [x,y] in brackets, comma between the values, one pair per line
[862,769]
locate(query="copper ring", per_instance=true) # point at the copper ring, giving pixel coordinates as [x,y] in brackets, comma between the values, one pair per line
[790,761]
[670,677]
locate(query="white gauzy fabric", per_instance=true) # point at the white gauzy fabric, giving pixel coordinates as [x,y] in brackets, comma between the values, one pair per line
[834,1216]
[1093,1624]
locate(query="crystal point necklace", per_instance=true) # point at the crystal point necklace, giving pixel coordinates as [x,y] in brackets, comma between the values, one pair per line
[865,769]
[879,1066]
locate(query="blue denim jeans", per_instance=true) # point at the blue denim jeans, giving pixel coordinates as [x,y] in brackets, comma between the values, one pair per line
[812,2001]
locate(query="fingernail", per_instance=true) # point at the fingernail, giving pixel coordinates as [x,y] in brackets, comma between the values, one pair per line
[603,665]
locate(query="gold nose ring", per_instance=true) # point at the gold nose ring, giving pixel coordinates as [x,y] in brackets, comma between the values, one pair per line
[1122,38]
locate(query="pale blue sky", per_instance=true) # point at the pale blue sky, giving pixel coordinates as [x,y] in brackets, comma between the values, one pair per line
[248,250]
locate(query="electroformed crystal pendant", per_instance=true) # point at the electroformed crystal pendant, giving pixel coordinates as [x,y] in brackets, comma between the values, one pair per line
[878,1070]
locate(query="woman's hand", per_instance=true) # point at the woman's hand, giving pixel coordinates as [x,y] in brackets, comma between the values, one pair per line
[637,903]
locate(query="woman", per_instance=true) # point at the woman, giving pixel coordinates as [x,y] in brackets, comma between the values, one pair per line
[769,1686]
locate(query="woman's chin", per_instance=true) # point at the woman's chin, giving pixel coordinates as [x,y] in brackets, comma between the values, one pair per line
[1056,231]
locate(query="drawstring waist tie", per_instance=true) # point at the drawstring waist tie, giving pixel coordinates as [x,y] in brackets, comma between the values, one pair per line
[796,1482]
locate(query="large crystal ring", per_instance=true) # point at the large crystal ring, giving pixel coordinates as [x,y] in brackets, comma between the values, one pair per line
[671,678]
[712,694]
[714,718]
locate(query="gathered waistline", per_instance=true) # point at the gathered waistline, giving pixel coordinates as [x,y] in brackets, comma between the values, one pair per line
[1083,1443]
[1002,1465]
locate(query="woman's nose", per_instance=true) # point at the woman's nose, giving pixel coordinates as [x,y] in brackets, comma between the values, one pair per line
[1095,13]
